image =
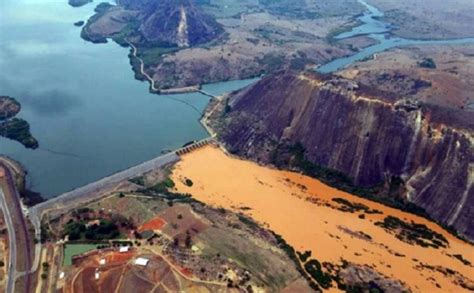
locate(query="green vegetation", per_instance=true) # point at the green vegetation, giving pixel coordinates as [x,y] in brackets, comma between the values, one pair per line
[106,229]
[162,187]
[299,63]
[337,31]
[19,130]
[45,234]
[293,156]
[351,207]
[188,241]
[15,128]
[290,251]
[138,180]
[462,259]
[153,55]
[272,62]
[290,8]
[427,63]
[304,256]
[299,161]
[30,198]
[313,267]
[413,233]
[227,8]
[161,190]
[82,213]
[71,250]
[188,182]
[248,221]
[121,37]
[100,10]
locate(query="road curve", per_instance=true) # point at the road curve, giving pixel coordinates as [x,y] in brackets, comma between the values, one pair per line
[81,192]
[85,193]
[16,225]
[92,190]
[11,245]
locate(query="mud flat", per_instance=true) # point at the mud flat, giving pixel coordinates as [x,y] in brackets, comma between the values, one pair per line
[332,225]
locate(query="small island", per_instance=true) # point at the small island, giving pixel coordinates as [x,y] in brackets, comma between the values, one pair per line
[9,107]
[79,23]
[15,128]
[78,3]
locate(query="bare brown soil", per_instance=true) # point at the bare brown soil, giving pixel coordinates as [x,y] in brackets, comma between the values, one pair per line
[193,250]
[398,71]
[154,224]
[119,274]
[180,220]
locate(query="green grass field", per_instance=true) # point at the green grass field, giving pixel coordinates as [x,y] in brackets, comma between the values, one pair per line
[71,250]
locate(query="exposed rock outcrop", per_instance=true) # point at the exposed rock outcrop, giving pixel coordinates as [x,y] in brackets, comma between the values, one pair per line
[9,107]
[173,22]
[12,127]
[363,134]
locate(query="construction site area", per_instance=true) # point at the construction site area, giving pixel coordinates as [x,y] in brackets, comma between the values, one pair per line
[145,237]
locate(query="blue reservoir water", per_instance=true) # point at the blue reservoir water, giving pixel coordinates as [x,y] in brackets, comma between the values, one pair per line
[89,114]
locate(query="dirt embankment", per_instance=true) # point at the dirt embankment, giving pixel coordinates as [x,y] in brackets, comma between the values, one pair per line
[331,224]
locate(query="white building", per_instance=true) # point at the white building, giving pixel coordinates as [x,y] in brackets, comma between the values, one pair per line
[124,249]
[141,261]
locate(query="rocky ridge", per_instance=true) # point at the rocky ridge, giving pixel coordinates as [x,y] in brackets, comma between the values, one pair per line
[367,138]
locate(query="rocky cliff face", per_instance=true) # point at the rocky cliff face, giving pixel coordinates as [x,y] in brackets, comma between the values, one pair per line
[176,22]
[358,132]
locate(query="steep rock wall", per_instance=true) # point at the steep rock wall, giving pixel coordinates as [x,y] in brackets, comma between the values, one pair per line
[356,131]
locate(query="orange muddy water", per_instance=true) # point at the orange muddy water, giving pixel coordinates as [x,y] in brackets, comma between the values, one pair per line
[301,209]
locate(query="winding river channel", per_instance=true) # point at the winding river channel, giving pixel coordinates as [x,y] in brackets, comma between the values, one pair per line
[373,27]
[89,114]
